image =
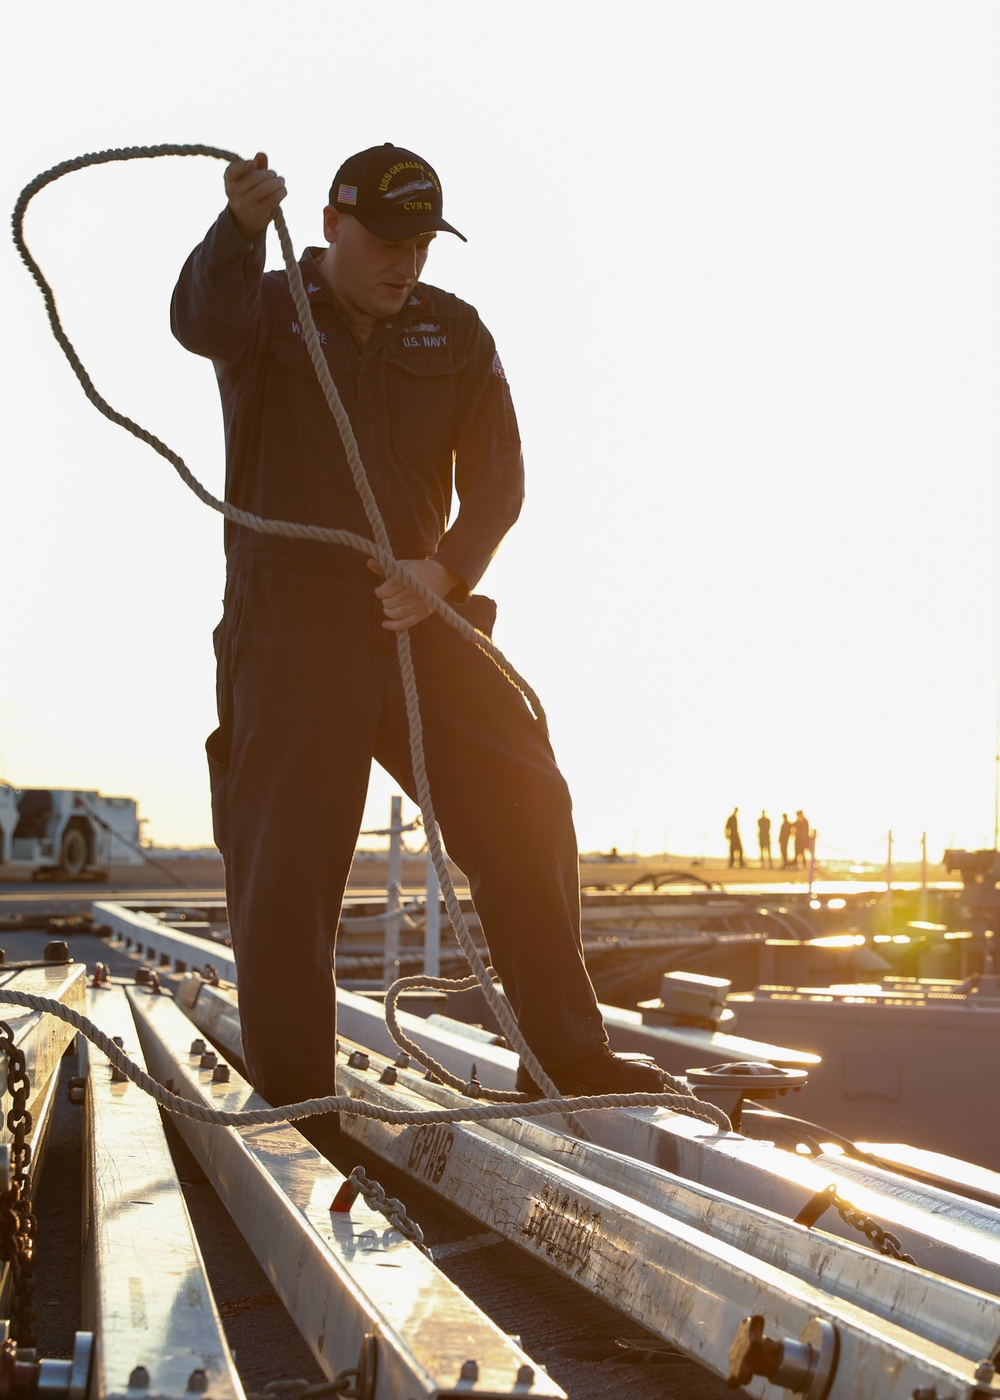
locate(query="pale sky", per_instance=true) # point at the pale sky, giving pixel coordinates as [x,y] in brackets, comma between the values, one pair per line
[740,260]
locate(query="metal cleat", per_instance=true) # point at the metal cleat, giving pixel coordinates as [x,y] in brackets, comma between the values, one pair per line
[346,1195]
[805,1367]
[728,1085]
[118,1075]
[24,1377]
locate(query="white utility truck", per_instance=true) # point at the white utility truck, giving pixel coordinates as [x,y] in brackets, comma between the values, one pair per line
[67,832]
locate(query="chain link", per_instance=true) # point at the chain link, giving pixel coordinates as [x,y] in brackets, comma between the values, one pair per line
[880,1239]
[393,1209]
[877,1236]
[17,1220]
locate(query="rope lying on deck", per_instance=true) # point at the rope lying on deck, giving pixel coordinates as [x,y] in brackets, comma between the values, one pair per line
[342,1103]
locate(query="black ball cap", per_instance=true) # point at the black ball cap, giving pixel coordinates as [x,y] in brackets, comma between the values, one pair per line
[392,192]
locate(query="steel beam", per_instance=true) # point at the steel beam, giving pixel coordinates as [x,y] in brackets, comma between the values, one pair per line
[345,1278]
[43,1041]
[564,1200]
[936,1167]
[684,1283]
[680,1048]
[950,1314]
[218,1013]
[43,1038]
[163,943]
[146,1296]
[946,1233]
[41,1101]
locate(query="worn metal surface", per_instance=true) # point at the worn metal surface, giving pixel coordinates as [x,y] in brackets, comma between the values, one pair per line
[688,1263]
[685,1283]
[679,1048]
[42,1038]
[343,1277]
[938,1168]
[145,1297]
[41,1102]
[218,1012]
[952,1315]
[163,944]
[951,1236]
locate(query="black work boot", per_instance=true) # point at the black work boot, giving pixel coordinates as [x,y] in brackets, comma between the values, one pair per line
[599,1073]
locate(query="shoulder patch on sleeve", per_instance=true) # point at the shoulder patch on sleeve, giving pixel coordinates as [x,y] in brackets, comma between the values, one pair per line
[498,368]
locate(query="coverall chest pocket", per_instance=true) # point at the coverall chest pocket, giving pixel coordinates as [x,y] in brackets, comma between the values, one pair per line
[422,405]
[291,354]
[295,397]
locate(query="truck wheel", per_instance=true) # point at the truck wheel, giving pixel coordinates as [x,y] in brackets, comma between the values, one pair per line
[73,856]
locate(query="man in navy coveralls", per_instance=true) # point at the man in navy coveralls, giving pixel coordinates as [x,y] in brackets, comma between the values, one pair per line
[309,690]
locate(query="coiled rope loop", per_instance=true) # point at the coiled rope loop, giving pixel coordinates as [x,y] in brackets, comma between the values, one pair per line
[378,549]
[342,1103]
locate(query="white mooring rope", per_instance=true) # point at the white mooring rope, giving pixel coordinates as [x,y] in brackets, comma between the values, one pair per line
[380,550]
[343,1103]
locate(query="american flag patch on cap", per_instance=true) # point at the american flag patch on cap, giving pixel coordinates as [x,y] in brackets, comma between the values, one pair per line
[347,194]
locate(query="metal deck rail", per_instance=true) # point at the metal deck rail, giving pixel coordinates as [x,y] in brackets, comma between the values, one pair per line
[146,1297]
[695,1234]
[164,945]
[361,1294]
[42,1040]
[685,1281]
[685,1267]
[947,1233]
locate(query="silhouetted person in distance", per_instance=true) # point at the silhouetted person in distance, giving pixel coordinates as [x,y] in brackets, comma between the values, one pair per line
[764,837]
[801,838]
[733,837]
[784,836]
